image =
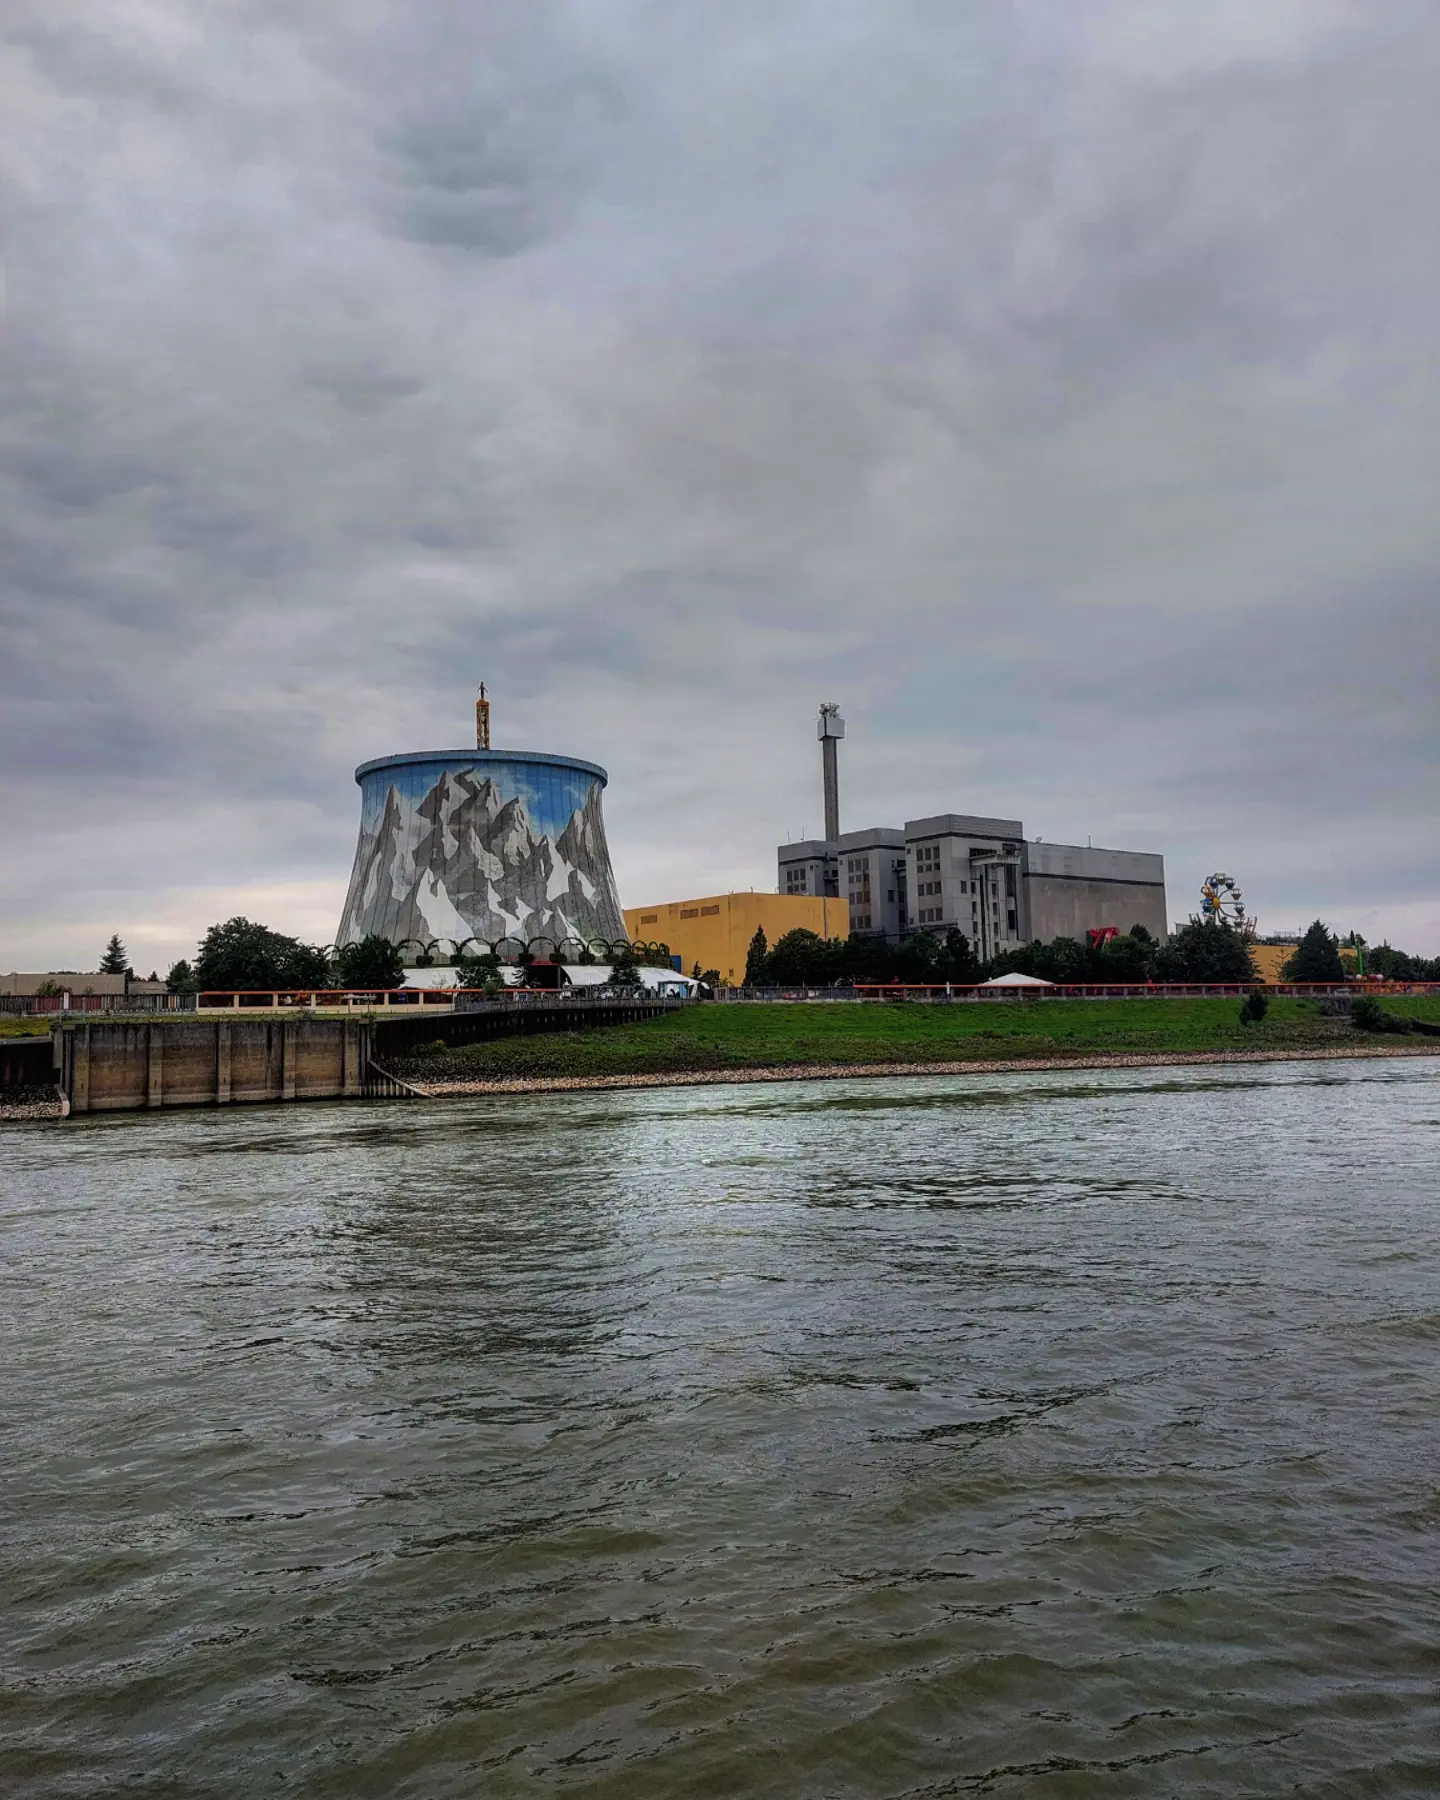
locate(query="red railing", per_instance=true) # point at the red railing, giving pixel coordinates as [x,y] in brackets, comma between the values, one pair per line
[275,999]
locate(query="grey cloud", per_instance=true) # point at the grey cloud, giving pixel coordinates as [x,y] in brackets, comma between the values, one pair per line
[1058,392]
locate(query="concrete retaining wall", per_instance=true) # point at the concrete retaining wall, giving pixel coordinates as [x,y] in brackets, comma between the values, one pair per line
[224,1062]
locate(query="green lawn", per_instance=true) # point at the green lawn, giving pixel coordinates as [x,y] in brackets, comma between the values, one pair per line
[717,1037]
[23,1026]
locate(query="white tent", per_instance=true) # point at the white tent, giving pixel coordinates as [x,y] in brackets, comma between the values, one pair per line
[1017,981]
[663,981]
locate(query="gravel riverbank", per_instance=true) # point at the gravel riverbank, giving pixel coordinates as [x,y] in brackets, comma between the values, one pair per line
[557,1084]
[22,1105]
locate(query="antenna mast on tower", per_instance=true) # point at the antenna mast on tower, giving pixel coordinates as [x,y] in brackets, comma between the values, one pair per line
[482,720]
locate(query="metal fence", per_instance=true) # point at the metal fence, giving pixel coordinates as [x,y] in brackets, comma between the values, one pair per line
[51,1006]
[412,1000]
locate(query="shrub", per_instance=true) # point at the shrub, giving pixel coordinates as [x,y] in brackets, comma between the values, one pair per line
[1254,1007]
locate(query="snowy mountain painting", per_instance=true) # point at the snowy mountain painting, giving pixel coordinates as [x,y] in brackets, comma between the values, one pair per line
[482,845]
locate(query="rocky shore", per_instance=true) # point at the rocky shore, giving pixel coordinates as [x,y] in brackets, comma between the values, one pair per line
[855,1071]
[20,1105]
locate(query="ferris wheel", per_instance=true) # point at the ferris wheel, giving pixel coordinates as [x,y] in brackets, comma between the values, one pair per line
[1221,902]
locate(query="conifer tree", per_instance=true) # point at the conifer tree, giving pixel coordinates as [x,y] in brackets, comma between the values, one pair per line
[757,959]
[1317,957]
[115,960]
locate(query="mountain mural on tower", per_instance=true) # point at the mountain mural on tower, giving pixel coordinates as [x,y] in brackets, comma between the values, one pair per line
[464,860]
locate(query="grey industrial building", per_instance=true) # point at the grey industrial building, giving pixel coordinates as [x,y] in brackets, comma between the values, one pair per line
[981,875]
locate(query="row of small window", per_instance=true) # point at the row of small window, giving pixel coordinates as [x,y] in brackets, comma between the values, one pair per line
[933,887]
[933,915]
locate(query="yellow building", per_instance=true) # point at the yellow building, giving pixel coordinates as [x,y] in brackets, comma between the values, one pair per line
[716,932]
[1270,959]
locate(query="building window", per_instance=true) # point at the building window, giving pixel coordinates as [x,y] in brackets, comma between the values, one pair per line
[689,912]
[709,912]
[1010,921]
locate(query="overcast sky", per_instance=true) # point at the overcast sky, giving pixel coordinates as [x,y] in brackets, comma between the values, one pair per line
[1054,383]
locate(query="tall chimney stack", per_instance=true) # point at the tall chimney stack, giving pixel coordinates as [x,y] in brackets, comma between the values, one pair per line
[830,728]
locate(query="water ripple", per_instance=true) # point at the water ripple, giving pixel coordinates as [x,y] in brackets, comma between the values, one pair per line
[1012,1435]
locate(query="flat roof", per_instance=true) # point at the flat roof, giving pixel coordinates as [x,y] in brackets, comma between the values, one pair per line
[970,825]
[473,757]
[765,894]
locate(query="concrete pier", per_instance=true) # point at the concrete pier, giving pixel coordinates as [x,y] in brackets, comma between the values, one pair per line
[133,1066]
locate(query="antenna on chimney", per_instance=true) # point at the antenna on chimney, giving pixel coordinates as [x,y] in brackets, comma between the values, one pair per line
[830,728]
[482,720]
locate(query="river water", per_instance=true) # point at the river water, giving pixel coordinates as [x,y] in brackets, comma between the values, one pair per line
[1062,1434]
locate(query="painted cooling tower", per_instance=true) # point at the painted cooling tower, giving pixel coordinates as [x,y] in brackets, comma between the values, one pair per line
[483,844]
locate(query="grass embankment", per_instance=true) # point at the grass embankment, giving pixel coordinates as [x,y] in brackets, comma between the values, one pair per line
[13,1025]
[713,1039]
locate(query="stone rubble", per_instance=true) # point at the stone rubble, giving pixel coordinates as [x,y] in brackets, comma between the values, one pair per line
[556,1084]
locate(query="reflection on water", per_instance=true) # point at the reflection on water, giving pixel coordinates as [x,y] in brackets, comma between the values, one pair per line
[1014,1435]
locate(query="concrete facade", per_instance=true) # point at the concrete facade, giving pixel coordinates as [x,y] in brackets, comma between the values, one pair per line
[715,931]
[1071,889]
[73,981]
[132,1067]
[979,875]
[966,870]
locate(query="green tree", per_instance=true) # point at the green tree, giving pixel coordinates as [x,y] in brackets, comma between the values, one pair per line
[181,979]
[1024,959]
[804,959]
[243,954]
[1203,952]
[373,962]
[920,958]
[1065,959]
[959,962]
[483,971]
[625,969]
[1124,958]
[1393,965]
[1317,958]
[115,961]
[757,960]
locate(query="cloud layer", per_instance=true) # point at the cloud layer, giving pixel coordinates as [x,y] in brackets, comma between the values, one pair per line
[1053,382]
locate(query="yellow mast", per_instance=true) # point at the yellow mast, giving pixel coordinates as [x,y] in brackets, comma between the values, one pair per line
[482,720]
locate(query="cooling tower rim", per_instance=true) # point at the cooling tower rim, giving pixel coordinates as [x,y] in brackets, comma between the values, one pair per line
[474,758]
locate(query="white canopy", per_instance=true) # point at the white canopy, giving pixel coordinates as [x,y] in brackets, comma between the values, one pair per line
[1014,981]
[669,981]
[661,980]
